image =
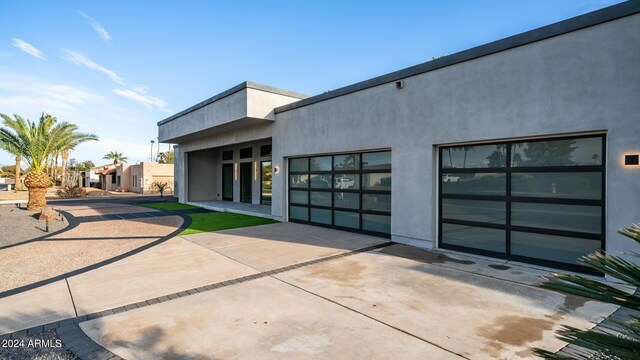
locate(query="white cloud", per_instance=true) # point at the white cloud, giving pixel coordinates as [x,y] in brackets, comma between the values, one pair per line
[102,32]
[78,58]
[138,95]
[31,95]
[122,125]
[28,48]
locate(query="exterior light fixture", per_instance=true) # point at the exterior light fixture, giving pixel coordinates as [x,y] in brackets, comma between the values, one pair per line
[632,159]
[235,171]
[399,84]
[255,170]
[276,169]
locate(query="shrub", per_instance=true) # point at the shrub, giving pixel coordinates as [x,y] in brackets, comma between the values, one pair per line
[74,191]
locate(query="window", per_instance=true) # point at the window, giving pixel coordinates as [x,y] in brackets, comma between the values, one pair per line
[346,191]
[227,155]
[539,201]
[265,150]
[246,153]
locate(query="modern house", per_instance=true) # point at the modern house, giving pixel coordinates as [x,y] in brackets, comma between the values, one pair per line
[138,178]
[525,148]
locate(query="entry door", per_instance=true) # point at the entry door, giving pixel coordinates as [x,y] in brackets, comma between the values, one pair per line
[245,182]
[265,183]
[227,182]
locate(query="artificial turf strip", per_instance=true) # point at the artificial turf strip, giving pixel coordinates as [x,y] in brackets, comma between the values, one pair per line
[170,206]
[214,221]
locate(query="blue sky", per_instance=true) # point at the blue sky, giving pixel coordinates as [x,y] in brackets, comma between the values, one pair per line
[116,68]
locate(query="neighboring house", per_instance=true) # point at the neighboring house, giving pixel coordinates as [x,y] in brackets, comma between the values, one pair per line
[89,178]
[140,177]
[102,177]
[137,178]
[514,149]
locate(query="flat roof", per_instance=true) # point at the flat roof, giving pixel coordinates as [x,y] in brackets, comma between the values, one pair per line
[576,23]
[233,90]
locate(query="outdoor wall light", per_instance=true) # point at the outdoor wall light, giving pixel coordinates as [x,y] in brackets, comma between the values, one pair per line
[399,84]
[276,169]
[632,159]
[255,171]
[235,171]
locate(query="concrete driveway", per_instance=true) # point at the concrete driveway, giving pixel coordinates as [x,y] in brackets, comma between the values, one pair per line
[391,302]
[291,291]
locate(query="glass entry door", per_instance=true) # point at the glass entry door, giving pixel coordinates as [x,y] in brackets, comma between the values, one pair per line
[265,183]
[227,182]
[246,182]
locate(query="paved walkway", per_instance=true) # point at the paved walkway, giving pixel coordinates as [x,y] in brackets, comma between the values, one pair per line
[294,291]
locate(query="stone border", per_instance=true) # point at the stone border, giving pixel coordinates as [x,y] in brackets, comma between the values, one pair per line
[85,348]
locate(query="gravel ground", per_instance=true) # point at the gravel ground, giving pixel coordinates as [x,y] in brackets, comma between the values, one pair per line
[18,225]
[42,346]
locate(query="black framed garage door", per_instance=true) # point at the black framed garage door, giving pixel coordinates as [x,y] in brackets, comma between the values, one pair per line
[540,201]
[350,192]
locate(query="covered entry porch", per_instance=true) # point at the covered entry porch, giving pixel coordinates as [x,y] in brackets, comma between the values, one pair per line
[234,178]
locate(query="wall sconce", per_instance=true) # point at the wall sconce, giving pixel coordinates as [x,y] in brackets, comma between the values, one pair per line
[235,171]
[632,160]
[276,169]
[255,171]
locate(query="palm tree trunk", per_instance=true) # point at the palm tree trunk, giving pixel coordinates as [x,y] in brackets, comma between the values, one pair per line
[37,182]
[65,156]
[18,184]
[55,171]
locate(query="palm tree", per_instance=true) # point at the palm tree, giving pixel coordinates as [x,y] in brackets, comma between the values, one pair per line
[36,142]
[625,345]
[13,150]
[116,157]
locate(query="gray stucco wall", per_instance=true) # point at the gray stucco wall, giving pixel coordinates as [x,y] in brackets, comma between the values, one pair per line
[232,107]
[587,80]
[177,173]
[202,172]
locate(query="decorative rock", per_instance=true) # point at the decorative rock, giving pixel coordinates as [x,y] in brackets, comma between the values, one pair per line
[48,215]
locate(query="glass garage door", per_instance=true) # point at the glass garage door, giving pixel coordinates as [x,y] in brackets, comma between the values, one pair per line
[539,201]
[346,191]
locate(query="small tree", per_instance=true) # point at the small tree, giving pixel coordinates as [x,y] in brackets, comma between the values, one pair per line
[161,186]
[608,346]
[71,185]
[165,157]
